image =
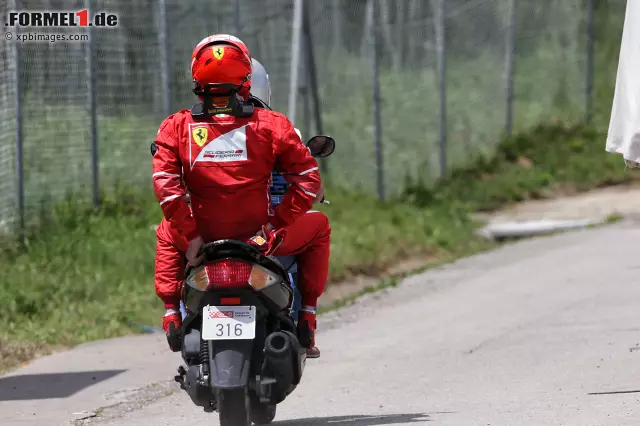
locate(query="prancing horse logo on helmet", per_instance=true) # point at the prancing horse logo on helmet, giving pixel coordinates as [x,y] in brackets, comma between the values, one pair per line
[200,135]
[218,52]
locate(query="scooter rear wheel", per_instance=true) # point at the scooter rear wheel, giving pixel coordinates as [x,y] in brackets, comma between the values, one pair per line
[233,408]
[261,414]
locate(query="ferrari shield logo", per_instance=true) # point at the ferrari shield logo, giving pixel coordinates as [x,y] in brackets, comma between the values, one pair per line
[218,52]
[200,135]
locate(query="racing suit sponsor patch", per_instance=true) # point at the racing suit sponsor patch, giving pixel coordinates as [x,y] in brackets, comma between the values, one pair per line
[228,147]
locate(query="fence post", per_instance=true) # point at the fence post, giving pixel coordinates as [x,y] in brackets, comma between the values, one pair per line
[303,93]
[15,53]
[165,55]
[91,104]
[510,66]
[236,18]
[590,60]
[336,21]
[442,83]
[374,34]
[295,59]
[312,77]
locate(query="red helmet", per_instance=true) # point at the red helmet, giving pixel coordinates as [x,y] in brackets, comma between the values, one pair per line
[221,58]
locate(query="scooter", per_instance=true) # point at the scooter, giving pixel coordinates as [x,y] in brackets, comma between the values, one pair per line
[240,342]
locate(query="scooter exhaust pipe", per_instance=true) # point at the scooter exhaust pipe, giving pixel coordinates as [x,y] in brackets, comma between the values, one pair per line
[279,363]
[278,345]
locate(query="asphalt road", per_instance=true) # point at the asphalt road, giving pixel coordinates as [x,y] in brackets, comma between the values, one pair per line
[542,332]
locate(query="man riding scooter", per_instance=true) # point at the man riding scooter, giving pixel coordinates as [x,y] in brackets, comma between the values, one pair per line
[172,246]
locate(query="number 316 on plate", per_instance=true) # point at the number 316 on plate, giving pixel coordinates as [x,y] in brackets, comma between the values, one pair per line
[228,322]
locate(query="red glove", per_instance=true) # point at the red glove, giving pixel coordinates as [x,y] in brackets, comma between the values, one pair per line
[172,326]
[268,239]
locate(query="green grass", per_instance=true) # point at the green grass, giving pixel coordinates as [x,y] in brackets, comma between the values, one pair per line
[57,156]
[88,274]
[548,160]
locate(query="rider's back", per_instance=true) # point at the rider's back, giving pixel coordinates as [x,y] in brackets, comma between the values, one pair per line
[227,163]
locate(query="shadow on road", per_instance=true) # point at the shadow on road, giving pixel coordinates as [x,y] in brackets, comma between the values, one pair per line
[49,386]
[359,420]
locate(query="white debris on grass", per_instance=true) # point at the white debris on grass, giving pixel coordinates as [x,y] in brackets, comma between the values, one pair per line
[529,228]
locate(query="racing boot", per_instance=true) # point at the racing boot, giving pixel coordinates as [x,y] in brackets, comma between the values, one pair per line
[307,330]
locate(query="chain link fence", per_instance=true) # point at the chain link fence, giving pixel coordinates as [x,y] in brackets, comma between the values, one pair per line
[453,77]
[409,89]
[8,180]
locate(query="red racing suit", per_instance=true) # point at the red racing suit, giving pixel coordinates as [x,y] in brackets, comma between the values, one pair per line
[226,164]
[170,264]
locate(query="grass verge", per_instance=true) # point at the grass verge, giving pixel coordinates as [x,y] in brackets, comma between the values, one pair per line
[89,274]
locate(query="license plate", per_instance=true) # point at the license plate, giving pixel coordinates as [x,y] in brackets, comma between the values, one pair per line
[229,322]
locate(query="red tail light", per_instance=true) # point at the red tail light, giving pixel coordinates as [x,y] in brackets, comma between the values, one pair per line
[229,273]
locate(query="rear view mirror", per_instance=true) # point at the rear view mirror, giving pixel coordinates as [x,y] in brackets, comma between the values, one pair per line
[321,146]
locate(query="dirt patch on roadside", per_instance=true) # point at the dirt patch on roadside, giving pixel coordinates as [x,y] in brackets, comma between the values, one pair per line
[15,354]
[621,200]
[338,291]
